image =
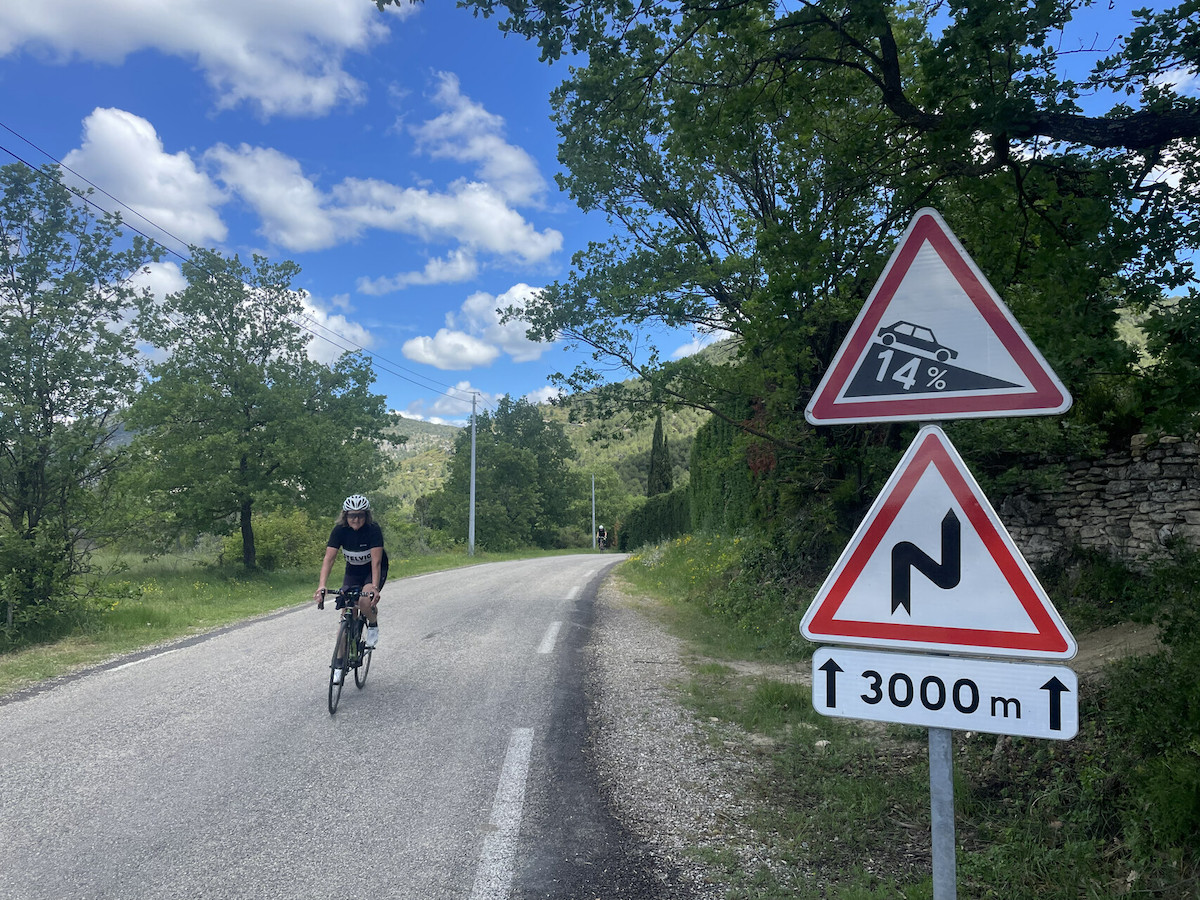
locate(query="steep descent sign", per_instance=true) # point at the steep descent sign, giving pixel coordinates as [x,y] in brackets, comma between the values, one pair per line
[934,341]
[932,567]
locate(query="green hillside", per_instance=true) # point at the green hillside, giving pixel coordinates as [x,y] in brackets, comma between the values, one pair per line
[421,461]
[629,455]
[424,459]
[424,437]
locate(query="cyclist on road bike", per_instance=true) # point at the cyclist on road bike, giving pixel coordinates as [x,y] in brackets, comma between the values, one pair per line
[602,537]
[360,539]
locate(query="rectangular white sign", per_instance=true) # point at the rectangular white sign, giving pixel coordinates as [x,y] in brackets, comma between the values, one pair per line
[962,694]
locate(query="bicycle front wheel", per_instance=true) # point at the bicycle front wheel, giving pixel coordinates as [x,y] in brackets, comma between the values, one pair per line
[339,666]
[364,658]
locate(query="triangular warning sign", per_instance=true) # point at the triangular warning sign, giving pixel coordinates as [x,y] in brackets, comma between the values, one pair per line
[932,567]
[934,341]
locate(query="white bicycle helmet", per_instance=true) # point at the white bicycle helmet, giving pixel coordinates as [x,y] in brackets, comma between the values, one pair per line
[356,503]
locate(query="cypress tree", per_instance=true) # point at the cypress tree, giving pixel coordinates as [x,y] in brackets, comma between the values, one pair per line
[659,480]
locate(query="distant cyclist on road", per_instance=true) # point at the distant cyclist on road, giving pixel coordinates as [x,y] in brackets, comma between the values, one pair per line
[601,537]
[360,539]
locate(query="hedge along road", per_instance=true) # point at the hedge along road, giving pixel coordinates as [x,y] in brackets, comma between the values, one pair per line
[212,768]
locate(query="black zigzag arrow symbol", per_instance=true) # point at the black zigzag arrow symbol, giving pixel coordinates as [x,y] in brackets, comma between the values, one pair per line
[907,556]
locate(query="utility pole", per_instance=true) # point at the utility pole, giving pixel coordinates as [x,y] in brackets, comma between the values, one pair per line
[593,512]
[471,519]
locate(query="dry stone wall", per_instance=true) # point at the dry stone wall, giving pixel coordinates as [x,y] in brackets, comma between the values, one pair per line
[1130,505]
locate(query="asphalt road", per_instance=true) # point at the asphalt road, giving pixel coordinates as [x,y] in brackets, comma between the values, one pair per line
[213,769]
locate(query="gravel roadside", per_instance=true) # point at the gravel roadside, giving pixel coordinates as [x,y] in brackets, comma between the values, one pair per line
[680,785]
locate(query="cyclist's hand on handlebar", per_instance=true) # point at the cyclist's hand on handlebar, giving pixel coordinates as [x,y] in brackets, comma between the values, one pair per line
[319,596]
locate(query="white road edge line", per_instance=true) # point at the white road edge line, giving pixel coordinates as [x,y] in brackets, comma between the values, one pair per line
[493,877]
[547,644]
[138,662]
[573,593]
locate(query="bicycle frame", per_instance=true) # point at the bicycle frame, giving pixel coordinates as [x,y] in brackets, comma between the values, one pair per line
[350,652]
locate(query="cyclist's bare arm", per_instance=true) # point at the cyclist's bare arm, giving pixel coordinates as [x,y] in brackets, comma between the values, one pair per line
[326,567]
[372,589]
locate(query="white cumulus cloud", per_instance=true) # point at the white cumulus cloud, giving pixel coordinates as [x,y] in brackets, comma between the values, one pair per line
[471,213]
[160,279]
[293,212]
[458,265]
[478,316]
[282,60]
[469,133]
[544,394]
[450,350]
[1181,81]
[474,335]
[299,216]
[169,195]
[332,333]
[452,407]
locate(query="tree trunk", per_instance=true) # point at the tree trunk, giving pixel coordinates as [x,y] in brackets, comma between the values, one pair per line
[248,552]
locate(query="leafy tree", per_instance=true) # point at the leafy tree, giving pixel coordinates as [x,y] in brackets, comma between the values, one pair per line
[660,479]
[613,501]
[238,417]
[68,365]
[1173,383]
[524,493]
[520,423]
[760,159]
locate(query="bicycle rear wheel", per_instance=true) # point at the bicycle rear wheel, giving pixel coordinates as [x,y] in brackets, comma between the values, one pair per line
[364,658]
[339,666]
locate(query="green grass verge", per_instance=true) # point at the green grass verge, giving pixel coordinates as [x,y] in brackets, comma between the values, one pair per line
[729,611]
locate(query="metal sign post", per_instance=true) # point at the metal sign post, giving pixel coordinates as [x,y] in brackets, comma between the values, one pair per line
[946,693]
[941,803]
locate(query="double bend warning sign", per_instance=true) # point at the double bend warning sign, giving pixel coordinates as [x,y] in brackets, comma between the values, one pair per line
[932,567]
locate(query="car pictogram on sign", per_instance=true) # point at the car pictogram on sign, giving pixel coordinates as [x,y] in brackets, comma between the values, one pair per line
[918,338]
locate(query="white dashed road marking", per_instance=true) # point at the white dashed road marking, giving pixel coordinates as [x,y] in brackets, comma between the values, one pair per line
[493,878]
[547,644]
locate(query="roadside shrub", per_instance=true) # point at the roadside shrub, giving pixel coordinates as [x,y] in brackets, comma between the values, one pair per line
[1129,783]
[403,537]
[733,579]
[282,540]
[41,599]
[1154,708]
[1170,799]
[659,518]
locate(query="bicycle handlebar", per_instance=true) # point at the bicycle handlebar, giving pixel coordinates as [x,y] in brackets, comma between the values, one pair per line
[341,593]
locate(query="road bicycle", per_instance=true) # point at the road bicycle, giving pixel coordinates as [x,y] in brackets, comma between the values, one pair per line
[350,650]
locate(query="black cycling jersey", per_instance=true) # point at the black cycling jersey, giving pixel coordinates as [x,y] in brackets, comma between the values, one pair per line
[356,545]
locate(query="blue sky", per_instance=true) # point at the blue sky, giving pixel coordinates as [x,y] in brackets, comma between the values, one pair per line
[405,160]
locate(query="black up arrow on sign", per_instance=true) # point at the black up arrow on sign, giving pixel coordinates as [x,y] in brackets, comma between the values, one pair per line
[1055,689]
[830,668]
[907,556]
